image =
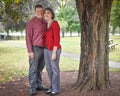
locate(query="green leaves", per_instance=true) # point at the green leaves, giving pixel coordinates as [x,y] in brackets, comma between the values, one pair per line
[12,13]
[68,14]
[115,14]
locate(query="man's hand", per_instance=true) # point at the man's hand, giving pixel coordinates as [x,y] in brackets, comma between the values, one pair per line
[53,56]
[31,55]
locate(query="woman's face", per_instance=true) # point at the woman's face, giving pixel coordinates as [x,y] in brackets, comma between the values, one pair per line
[47,15]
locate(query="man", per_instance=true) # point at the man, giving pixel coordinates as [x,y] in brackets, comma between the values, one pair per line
[34,40]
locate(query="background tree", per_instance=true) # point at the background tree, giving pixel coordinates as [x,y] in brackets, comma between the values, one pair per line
[12,14]
[0,11]
[115,16]
[94,59]
[66,15]
[73,26]
[46,3]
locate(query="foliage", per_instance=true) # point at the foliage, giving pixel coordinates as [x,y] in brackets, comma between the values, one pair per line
[45,3]
[14,10]
[73,26]
[115,15]
[68,3]
[67,15]
[15,13]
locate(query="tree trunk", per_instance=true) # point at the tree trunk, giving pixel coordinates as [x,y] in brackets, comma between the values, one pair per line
[63,35]
[8,37]
[94,59]
[7,31]
[21,33]
[78,33]
[70,33]
[113,30]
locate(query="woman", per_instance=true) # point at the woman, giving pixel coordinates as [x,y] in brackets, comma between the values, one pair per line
[52,51]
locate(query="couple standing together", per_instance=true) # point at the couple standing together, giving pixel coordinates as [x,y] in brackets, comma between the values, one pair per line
[43,44]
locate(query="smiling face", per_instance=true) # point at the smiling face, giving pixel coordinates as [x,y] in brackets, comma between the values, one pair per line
[39,12]
[47,15]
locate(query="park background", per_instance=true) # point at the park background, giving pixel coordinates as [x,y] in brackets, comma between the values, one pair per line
[13,18]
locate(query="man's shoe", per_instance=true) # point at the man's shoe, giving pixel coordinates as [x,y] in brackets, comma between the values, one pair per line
[48,91]
[42,88]
[53,93]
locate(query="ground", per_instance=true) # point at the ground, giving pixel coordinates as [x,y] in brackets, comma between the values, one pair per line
[19,86]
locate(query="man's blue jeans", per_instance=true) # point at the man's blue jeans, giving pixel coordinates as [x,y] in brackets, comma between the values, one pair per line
[35,68]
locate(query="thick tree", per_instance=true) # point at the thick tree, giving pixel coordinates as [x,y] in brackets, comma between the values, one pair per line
[94,17]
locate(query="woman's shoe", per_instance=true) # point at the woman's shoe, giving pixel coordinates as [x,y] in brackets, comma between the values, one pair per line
[53,93]
[48,91]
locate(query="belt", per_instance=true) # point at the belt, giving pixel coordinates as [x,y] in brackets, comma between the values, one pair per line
[38,46]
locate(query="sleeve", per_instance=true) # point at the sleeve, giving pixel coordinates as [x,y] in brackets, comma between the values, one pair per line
[29,33]
[56,33]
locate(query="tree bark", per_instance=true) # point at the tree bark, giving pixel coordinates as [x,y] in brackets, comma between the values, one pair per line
[94,58]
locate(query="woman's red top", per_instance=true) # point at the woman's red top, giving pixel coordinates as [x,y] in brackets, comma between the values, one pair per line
[52,36]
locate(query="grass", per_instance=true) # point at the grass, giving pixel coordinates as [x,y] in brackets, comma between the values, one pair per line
[114,55]
[14,60]
[67,64]
[10,42]
[114,69]
[72,45]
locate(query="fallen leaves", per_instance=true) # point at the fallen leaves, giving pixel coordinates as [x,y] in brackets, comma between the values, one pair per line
[2,87]
[27,84]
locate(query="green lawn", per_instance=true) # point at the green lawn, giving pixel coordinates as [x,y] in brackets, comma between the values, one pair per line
[72,45]
[14,60]
[114,55]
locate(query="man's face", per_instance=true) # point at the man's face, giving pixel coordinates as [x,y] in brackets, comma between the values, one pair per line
[39,12]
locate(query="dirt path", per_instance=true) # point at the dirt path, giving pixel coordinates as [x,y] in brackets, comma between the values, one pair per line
[19,86]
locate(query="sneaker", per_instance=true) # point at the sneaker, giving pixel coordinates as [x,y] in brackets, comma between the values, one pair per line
[53,93]
[48,91]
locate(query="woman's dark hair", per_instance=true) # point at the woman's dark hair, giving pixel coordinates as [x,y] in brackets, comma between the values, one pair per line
[38,6]
[51,11]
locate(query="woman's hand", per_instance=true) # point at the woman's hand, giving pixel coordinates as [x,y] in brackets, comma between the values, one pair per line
[54,53]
